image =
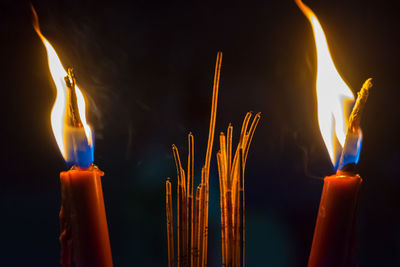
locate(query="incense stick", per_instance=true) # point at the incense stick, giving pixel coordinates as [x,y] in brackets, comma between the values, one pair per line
[232,193]
[190,176]
[170,224]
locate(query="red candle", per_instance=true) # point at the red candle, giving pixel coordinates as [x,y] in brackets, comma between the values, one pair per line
[333,241]
[84,235]
[334,229]
[83,219]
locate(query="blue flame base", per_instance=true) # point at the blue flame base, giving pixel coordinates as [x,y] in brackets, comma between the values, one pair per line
[78,151]
[351,150]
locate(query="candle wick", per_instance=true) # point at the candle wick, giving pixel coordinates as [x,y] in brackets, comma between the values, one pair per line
[72,115]
[355,116]
[353,134]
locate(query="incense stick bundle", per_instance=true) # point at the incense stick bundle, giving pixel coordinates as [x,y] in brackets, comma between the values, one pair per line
[232,197]
[192,218]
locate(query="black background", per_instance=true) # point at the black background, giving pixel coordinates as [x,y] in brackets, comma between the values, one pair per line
[147,68]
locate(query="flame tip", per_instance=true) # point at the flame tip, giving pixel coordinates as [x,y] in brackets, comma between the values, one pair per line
[334,97]
[68,118]
[305,9]
[35,19]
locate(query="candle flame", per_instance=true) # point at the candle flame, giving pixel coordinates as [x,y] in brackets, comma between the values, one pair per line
[74,139]
[334,97]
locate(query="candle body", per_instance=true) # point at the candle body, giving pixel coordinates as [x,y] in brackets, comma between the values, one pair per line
[333,242]
[83,219]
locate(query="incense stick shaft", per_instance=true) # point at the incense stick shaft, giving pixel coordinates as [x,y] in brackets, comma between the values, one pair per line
[170,225]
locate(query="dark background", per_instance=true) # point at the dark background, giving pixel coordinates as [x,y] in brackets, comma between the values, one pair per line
[147,69]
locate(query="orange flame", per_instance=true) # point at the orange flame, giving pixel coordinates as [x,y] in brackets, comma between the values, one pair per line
[334,97]
[58,114]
